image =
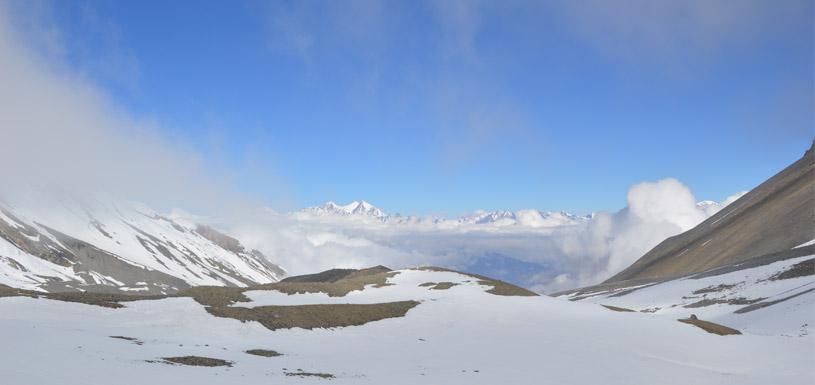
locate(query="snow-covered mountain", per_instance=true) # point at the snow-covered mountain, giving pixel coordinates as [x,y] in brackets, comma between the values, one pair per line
[355,208]
[365,210]
[108,245]
[530,218]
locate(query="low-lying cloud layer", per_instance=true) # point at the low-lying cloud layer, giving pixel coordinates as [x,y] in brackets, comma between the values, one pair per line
[545,258]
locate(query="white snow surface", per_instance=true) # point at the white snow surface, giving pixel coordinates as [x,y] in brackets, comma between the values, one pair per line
[792,317]
[457,336]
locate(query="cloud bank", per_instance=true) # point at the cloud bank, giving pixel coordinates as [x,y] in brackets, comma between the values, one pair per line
[545,257]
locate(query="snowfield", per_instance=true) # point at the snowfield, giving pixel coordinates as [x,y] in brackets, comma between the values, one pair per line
[460,335]
[724,298]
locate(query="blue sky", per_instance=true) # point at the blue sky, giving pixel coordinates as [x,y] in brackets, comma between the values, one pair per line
[445,107]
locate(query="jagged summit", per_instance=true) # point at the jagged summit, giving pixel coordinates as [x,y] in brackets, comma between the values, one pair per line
[357,208]
[499,218]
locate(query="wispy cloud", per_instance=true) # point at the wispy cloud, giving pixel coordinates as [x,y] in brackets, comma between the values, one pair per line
[62,132]
[366,47]
[674,37]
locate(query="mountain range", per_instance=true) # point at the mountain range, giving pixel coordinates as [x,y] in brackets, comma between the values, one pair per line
[363,210]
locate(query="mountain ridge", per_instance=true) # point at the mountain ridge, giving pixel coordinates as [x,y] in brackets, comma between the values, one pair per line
[119,246]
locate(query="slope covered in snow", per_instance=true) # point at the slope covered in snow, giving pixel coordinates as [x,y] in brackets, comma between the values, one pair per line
[458,333]
[772,296]
[103,245]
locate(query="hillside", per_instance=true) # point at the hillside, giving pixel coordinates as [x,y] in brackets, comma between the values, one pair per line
[774,217]
[750,267]
[114,246]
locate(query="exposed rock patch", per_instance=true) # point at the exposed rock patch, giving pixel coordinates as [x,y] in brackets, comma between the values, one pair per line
[131,339]
[710,327]
[800,269]
[439,285]
[729,301]
[617,308]
[315,316]
[307,374]
[198,361]
[263,353]
[498,287]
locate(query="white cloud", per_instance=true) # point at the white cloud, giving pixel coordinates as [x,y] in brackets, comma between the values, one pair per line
[545,254]
[673,34]
[59,131]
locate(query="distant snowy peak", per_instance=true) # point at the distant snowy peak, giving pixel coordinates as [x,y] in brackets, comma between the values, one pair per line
[529,218]
[365,210]
[355,208]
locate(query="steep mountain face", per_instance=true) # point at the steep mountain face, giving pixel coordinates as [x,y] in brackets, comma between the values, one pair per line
[775,217]
[114,246]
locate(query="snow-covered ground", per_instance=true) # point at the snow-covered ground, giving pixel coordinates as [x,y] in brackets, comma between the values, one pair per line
[679,298]
[461,335]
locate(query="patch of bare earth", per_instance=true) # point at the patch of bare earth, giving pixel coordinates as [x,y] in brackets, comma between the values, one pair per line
[307,374]
[729,301]
[617,308]
[315,316]
[334,283]
[438,285]
[336,288]
[498,287]
[100,299]
[710,327]
[131,339]
[761,305]
[263,353]
[6,291]
[109,300]
[215,295]
[197,361]
[800,269]
[715,289]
